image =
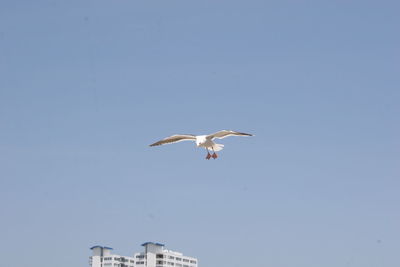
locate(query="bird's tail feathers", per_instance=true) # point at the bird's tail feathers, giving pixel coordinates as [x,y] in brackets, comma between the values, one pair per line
[218,147]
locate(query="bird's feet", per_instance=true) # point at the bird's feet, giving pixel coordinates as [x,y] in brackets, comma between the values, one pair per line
[214,156]
[208,156]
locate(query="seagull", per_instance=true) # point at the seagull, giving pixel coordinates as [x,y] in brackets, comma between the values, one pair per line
[205,141]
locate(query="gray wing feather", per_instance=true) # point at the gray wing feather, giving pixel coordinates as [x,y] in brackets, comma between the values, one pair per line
[174,139]
[226,133]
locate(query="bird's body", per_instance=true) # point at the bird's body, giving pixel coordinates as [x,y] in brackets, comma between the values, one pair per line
[205,141]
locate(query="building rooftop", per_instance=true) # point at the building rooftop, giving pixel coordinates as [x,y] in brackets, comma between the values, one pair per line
[152,243]
[100,247]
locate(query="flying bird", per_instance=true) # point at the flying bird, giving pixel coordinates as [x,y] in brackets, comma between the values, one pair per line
[205,141]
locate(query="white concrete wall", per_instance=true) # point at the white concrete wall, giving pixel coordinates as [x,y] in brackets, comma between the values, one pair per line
[96,261]
[153,248]
[96,251]
[106,252]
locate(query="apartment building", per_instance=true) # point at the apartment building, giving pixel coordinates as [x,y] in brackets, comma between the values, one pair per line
[154,255]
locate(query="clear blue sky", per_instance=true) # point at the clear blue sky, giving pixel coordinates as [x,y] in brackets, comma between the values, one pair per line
[86,85]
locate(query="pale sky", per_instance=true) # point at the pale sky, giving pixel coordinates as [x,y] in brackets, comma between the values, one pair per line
[87,85]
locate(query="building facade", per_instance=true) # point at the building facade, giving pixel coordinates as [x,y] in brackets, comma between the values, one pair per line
[154,255]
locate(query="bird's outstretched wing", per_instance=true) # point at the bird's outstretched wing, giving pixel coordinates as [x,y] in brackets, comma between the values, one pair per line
[226,133]
[174,139]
